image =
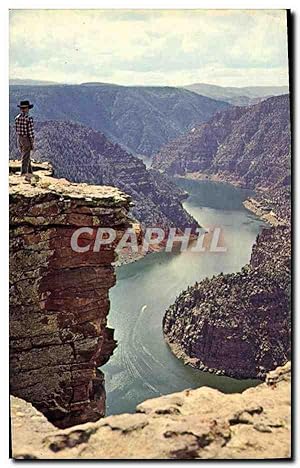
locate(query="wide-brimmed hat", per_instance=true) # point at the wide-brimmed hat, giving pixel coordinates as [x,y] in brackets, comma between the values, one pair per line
[25,104]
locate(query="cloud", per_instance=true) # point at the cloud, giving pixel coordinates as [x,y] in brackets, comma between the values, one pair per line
[174,47]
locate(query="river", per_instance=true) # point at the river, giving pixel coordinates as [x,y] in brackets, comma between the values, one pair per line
[142,366]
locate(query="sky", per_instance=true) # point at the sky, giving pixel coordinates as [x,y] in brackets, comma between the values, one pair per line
[150,47]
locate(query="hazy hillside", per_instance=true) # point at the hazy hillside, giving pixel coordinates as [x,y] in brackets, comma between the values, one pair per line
[81,154]
[243,96]
[141,119]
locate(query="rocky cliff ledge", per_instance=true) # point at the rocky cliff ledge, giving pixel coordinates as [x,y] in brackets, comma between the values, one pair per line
[193,424]
[59,298]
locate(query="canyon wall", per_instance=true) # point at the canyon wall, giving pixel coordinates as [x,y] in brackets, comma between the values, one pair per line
[238,324]
[59,299]
[247,146]
[250,145]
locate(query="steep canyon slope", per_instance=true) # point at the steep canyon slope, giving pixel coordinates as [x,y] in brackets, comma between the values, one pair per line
[248,146]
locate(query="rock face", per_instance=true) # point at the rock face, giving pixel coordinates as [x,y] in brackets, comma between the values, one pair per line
[58,297]
[140,118]
[238,324]
[81,154]
[193,424]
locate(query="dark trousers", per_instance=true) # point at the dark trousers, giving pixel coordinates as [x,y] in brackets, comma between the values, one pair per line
[25,148]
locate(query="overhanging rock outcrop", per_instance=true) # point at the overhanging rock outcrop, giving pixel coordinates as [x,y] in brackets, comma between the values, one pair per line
[59,298]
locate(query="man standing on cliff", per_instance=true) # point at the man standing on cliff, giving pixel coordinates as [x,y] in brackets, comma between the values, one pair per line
[25,134]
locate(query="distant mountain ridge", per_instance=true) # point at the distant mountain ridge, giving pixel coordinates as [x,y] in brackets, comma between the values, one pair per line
[243,96]
[141,119]
[81,154]
[23,82]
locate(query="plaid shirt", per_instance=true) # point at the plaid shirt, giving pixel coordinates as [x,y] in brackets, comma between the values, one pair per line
[24,125]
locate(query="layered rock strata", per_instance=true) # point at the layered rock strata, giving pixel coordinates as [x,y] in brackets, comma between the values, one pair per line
[59,298]
[193,424]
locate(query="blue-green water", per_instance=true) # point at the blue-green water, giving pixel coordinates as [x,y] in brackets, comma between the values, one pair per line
[142,366]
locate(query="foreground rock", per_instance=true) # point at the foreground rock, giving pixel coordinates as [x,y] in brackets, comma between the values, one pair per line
[193,424]
[59,298]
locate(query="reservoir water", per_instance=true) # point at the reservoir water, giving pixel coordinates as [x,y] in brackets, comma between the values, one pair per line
[142,366]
